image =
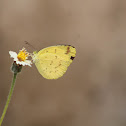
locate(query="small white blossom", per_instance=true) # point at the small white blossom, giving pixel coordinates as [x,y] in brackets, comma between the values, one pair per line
[21,57]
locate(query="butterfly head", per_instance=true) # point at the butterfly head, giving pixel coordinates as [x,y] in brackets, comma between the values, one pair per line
[33,55]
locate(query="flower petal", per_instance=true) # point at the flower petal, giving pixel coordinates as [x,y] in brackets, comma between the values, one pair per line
[24,63]
[13,54]
[28,61]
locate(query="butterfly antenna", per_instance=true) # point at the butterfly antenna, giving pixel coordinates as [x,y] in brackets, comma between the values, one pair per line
[27,43]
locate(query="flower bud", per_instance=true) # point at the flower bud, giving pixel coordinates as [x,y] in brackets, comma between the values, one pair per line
[16,68]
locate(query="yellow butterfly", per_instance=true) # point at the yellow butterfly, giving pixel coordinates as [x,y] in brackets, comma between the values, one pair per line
[52,62]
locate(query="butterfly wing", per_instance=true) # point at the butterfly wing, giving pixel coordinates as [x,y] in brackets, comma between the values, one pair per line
[52,62]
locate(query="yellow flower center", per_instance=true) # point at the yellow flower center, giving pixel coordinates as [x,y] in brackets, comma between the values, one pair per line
[22,55]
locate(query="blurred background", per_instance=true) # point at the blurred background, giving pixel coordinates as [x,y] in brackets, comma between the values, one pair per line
[93,90]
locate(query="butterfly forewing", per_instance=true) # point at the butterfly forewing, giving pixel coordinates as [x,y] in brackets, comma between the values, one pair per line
[52,62]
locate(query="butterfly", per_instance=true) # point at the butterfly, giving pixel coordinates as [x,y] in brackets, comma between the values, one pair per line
[52,62]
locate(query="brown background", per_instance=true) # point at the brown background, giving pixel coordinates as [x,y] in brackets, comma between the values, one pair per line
[93,91]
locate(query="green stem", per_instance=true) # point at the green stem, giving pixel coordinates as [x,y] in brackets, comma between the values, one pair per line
[8,99]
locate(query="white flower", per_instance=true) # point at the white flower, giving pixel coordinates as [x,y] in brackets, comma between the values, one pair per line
[21,57]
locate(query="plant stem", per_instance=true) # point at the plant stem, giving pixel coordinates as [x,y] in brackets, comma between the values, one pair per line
[8,98]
